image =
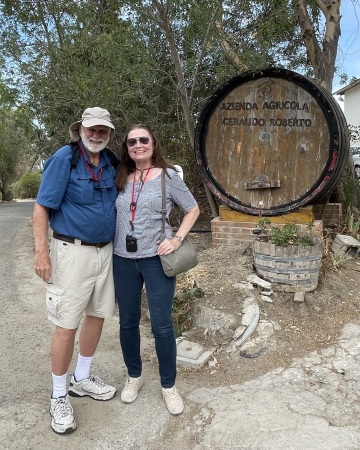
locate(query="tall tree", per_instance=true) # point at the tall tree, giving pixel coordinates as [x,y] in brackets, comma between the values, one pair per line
[299,34]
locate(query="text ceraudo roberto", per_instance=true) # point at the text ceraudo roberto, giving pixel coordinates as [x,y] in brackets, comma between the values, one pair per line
[267,106]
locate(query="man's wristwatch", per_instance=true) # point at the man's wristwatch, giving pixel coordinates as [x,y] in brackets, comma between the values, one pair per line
[179,238]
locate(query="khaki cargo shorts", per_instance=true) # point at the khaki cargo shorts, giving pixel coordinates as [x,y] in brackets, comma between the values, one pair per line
[81,282]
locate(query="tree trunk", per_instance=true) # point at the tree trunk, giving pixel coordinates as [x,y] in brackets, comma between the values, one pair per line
[231,56]
[6,194]
[185,103]
[322,57]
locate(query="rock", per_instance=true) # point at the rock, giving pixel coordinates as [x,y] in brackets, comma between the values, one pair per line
[249,301]
[213,320]
[267,299]
[254,279]
[250,312]
[243,286]
[299,296]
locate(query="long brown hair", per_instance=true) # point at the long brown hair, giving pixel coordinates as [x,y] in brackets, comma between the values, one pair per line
[127,165]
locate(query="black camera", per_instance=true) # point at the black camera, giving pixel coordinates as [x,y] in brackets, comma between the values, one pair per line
[131,243]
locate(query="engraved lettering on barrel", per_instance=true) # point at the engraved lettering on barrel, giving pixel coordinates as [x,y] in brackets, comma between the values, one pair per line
[241,121]
[291,123]
[286,105]
[239,106]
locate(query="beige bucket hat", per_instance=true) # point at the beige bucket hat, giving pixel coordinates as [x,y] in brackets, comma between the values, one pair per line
[90,118]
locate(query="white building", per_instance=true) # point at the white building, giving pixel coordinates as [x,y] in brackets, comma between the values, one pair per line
[350,95]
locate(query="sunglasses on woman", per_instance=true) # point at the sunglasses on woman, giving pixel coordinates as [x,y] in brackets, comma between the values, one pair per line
[132,141]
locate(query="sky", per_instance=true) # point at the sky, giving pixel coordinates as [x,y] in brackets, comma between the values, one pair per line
[348,56]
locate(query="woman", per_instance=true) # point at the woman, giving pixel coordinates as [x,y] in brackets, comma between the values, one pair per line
[136,257]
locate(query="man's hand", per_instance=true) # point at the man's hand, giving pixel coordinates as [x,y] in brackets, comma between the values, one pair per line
[42,265]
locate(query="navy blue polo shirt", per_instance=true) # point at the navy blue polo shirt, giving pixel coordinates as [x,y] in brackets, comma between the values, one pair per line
[81,208]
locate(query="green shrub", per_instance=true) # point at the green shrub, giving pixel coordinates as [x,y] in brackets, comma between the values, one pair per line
[285,235]
[27,186]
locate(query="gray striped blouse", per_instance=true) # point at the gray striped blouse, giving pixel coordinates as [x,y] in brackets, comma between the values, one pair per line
[147,222]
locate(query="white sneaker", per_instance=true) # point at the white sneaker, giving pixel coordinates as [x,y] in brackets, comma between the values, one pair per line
[131,389]
[62,414]
[173,401]
[92,387]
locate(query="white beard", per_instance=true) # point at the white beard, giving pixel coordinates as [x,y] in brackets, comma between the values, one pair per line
[93,146]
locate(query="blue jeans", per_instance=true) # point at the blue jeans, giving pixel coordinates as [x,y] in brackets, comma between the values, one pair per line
[129,277]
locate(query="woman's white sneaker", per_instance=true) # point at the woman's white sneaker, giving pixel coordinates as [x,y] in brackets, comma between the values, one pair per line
[131,389]
[173,401]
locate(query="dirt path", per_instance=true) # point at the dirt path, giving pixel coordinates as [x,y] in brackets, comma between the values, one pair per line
[26,335]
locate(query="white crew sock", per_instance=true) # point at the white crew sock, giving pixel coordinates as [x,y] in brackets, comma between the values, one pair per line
[59,386]
[83,367]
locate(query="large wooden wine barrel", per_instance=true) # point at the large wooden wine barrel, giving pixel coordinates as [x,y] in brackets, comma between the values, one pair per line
[271,141]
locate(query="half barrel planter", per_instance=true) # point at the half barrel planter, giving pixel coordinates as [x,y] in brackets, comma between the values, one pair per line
[294,265]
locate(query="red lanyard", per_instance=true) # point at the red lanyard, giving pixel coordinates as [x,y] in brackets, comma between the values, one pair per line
[89,168]
[134,201]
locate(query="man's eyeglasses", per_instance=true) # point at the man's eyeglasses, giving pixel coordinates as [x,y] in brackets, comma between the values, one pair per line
[132,141]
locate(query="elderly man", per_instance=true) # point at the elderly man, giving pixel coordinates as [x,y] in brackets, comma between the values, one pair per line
[76,196]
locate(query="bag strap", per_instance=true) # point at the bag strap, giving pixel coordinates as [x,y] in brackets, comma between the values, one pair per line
[163,209]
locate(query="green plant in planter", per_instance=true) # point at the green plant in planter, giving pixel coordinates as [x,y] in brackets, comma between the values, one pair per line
[285,235]
[287,254]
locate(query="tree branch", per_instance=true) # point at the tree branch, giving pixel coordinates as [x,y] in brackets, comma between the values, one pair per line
[229,53]
[203,47]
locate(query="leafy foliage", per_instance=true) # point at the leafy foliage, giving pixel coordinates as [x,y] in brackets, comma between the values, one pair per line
[265,33]
[27,186]
[350,192]
[285,235]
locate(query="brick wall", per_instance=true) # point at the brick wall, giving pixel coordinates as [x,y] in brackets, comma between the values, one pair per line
[229,232]
[330,213]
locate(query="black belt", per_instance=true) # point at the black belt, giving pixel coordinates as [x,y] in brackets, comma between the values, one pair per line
[71,240]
